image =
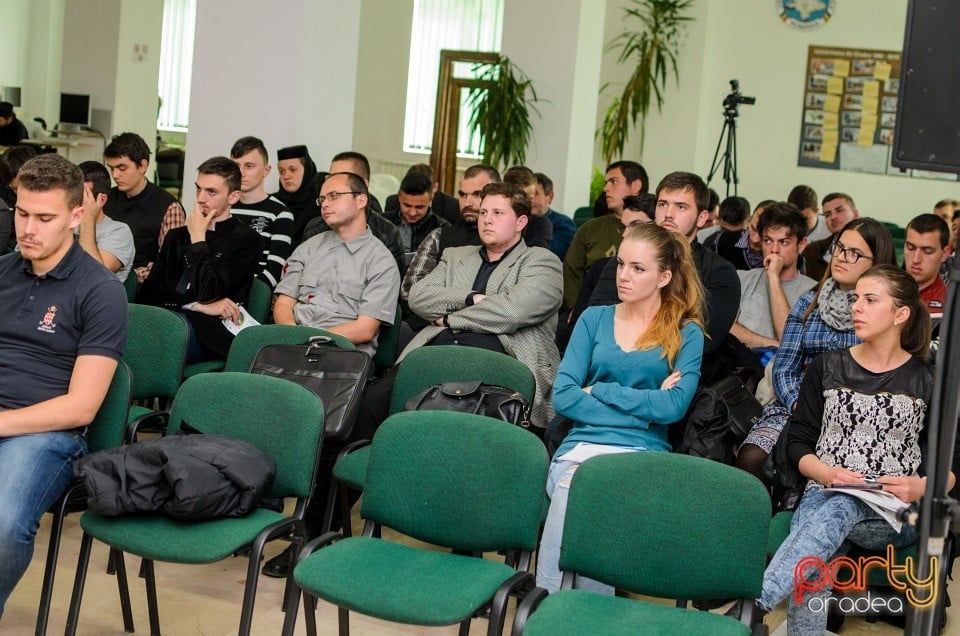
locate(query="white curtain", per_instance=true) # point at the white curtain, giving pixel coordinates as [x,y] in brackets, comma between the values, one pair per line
[466,25]
[176,63]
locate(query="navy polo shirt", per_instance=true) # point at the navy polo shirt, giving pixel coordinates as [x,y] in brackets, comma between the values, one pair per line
[77,308]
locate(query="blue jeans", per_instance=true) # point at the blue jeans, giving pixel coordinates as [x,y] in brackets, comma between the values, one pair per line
[548,556]
[823,526]
[36,469]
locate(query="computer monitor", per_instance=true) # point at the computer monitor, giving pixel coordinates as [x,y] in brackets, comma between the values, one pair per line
[74,109]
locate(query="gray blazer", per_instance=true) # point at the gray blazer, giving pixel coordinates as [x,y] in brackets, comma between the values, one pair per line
[523,295]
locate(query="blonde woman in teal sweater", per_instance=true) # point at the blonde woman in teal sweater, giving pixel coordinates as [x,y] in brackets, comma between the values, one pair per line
[629,371]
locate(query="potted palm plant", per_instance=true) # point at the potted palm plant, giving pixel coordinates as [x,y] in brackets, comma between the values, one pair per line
[502,104]
[652,48]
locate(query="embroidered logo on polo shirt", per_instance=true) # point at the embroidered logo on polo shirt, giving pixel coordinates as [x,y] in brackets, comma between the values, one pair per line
[47,325]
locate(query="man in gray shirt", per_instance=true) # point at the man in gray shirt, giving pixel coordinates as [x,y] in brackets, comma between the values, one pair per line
[107,241]
[768,293]
[345,281]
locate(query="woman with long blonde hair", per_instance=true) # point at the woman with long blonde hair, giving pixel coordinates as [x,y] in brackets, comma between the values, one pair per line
[629,371]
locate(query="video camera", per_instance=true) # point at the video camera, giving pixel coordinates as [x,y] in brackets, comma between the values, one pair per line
[732,101]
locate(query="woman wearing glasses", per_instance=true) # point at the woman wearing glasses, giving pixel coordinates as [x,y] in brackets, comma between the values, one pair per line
[820,321]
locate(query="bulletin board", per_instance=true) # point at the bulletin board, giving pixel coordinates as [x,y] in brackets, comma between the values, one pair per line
[849,109]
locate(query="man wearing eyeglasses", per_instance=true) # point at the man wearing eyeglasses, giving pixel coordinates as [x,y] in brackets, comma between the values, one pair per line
[838,209]
[345,280]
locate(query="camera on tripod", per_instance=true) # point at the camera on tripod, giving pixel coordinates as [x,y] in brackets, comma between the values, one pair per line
[732,101]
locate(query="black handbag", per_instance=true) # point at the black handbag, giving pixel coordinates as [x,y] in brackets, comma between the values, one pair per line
[337,376]
[473,397]
[743,408]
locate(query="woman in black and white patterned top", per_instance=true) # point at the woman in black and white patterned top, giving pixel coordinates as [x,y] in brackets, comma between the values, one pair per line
[860,415]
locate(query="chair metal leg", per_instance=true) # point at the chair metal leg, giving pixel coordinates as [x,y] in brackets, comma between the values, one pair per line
[120,567]
[250,587]
[50,571]
[464,628]
[343,618]
[343,500]
[82,562]
[310,613]
[146,569]
[291,601]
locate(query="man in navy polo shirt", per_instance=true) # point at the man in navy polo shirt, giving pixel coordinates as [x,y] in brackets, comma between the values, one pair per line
[62,331]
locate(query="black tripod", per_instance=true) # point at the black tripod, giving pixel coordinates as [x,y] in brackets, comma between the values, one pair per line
[938,509]
[729,155]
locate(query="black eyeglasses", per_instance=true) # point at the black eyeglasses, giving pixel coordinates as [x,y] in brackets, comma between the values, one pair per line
[849,254]
[333,196]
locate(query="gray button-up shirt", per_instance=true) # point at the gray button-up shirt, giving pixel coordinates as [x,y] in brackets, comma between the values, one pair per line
[334,281]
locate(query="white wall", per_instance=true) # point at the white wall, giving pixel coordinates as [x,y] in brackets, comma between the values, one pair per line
[283,71]
[135,108]
[89,61]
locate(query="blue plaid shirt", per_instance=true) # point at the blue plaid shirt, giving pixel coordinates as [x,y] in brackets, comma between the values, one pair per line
[800,344]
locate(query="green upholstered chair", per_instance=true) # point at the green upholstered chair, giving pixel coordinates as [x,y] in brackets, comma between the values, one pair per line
[464,482]
[258,304]
[250,340]
[582,215]
[130,285]
[156,351]
[420,369]
[281,418]
[386,354]
[105,431]
[659,524]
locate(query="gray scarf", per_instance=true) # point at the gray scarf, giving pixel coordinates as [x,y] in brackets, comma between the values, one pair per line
[836,306]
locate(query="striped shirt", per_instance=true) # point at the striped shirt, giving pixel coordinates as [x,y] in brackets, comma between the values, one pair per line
[274,222]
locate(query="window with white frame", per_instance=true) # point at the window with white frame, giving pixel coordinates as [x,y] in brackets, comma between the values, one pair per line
[464,25]
[176,63]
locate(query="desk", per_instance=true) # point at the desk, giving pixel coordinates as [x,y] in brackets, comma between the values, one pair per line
[87,148]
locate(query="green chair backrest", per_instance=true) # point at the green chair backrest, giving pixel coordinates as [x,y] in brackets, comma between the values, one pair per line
[386,353]
[259,302]
[130,285]
[582,215]
[667,525]
[427,366]
[281,418]
[156,351]
[106,429]
[250,340]
[458,480]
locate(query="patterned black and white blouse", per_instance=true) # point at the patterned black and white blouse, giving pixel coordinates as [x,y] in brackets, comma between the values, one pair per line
[870,423]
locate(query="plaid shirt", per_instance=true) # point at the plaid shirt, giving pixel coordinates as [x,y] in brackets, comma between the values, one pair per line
[173,218]
[800,344]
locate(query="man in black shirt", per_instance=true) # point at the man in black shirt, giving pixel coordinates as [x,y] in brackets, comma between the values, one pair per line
[205,269]
[12,130]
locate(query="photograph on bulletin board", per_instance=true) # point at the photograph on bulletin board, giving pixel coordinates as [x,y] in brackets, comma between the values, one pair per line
[849,109]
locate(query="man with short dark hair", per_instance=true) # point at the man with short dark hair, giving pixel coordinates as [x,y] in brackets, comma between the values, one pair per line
[563,226]
[413,216]
[838,210]
[768,293]
[442,204]
[501,296]
[386,232]
[148,209]
[266,214]
[474,179]
[805,198]
[12,130]
[600,237]
[734,212]
[62,331]
[926,249]
[340,280]
[109,242]
[682,200]
[205,269]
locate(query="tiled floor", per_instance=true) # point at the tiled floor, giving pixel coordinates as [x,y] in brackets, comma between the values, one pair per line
[206,600]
